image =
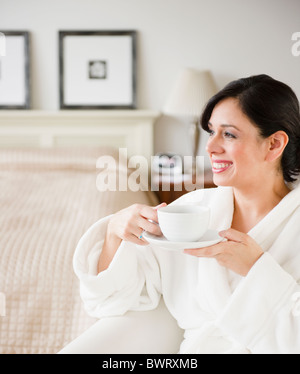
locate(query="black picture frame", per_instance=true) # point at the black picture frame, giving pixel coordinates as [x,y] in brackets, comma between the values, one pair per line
[15,70]
[97,69]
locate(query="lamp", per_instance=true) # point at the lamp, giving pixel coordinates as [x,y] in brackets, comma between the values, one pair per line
[191,91]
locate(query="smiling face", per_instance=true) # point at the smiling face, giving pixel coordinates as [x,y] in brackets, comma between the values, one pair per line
[237,151]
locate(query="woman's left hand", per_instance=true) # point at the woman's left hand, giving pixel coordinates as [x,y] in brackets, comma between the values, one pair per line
[239,253]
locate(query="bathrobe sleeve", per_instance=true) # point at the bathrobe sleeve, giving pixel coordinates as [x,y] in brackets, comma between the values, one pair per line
[264,311]
[131,282]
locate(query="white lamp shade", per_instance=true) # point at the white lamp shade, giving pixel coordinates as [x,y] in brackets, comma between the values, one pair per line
[190,93]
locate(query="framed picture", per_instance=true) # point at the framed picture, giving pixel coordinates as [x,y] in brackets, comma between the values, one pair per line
[14,70]
[97,69]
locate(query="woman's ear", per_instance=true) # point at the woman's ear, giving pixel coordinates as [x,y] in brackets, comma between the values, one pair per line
[277,144]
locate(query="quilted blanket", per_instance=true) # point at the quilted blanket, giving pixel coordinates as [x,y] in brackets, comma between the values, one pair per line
[48,199]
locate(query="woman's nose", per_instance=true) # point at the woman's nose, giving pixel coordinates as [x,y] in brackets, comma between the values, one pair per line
[214,145]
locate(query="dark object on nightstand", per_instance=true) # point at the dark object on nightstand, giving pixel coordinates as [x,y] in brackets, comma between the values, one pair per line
[169,190]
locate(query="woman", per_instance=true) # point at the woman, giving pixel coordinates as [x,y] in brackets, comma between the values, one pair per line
[241,295]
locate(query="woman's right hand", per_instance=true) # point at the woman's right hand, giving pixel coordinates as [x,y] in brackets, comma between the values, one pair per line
[128,224]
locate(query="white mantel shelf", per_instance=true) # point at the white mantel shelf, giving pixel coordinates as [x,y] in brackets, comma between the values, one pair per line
[138,113]
[119,128]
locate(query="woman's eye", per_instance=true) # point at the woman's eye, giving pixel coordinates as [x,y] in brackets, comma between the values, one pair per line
[229,135]
[226,134]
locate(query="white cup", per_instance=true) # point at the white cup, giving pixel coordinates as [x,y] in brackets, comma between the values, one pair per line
[183,223]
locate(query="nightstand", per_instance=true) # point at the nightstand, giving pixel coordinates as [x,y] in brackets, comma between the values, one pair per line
[171,188]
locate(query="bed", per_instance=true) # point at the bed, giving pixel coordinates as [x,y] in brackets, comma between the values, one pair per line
[48,198]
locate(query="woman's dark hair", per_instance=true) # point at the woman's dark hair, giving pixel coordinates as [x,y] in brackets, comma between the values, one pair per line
[271,106]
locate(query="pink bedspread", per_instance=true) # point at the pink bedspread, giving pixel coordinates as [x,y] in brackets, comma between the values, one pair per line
[48,199]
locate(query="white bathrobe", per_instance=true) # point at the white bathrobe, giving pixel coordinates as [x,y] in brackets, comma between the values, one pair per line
[220,311]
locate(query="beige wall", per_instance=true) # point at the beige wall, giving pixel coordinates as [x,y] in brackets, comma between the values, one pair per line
[232,38]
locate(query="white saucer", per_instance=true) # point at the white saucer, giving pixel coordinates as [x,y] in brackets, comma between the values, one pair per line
[211,237]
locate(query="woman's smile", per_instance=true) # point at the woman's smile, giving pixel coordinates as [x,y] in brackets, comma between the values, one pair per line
[219,166]
[236,149]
